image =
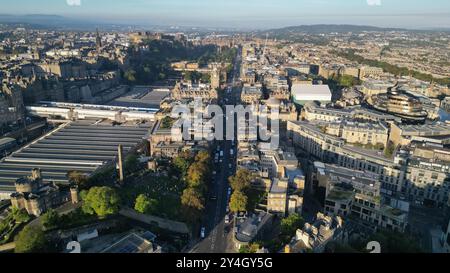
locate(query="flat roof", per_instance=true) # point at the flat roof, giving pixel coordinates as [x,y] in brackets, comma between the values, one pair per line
[6,140]
[131,243]
[142,97]
[306,92]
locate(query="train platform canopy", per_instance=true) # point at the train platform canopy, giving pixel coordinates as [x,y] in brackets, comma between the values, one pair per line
[83,146]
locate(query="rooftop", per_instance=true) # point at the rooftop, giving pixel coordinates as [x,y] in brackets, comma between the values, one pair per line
[142,97]
[311,92]
[82,146]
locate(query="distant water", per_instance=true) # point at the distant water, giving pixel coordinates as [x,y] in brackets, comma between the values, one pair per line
[444,116]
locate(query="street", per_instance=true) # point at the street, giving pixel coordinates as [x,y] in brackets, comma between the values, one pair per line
[217,232]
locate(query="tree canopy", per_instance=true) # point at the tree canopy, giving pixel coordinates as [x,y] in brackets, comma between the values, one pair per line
[102,201]
[241,180]
[50,219]
[145,205]
[30,240]
[238,202]
[192,198]
[290,224]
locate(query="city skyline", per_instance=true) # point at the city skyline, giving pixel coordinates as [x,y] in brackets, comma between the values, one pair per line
[245,15]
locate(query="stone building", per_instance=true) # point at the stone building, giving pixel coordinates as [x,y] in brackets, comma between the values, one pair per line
[277,198]
[251,94]
[35,196]
[12,108]
[185,90]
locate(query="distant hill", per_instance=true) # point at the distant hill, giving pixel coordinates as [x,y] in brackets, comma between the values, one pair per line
[50,21]
[317,29]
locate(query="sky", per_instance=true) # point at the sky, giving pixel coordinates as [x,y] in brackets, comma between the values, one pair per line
[249,14]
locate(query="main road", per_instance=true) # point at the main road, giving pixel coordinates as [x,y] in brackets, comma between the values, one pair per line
[217,231]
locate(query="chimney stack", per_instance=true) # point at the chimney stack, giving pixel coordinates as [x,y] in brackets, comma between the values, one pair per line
[120,162]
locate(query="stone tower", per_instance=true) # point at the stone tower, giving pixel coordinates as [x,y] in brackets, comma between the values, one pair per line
[74,196]
[98,40]
[215,78]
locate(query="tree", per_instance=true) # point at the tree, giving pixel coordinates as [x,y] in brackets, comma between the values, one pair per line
[78,178]
[290,224]
[30,240]
[20,216]
[131,163]
[145,205]
[241,180]
[347,81]
[251,248]
[203,157]
[192,198]
[238,201]
[182,163]
[130,75]
[196,175]
[390,149]
[395,242]
[50,219]
[102,201]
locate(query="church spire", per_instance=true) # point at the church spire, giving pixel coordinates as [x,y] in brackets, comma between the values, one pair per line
[98,40]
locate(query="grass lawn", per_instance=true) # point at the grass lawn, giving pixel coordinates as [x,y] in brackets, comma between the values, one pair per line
[165,190]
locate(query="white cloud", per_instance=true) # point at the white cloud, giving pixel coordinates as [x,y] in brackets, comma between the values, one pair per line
[73,2]
[374,2]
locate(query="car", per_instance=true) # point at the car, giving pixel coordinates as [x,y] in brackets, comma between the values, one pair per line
[229,191]
[228,209]
[227,219]
[214,172]
[202,232]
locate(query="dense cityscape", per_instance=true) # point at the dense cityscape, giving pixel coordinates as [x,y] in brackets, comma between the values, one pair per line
[97,157]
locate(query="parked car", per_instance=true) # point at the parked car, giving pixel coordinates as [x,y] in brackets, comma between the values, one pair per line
[202,233]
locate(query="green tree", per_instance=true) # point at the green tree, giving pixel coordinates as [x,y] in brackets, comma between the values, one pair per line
[145,205]
[395,242]
[348,81]
[20,215]
[390,149]
[192,198]
[251,248]
[131,163]
[290,224]
[30,240]
[50,219]
[102,201]
[181,163]
[241,180]
[238,201]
